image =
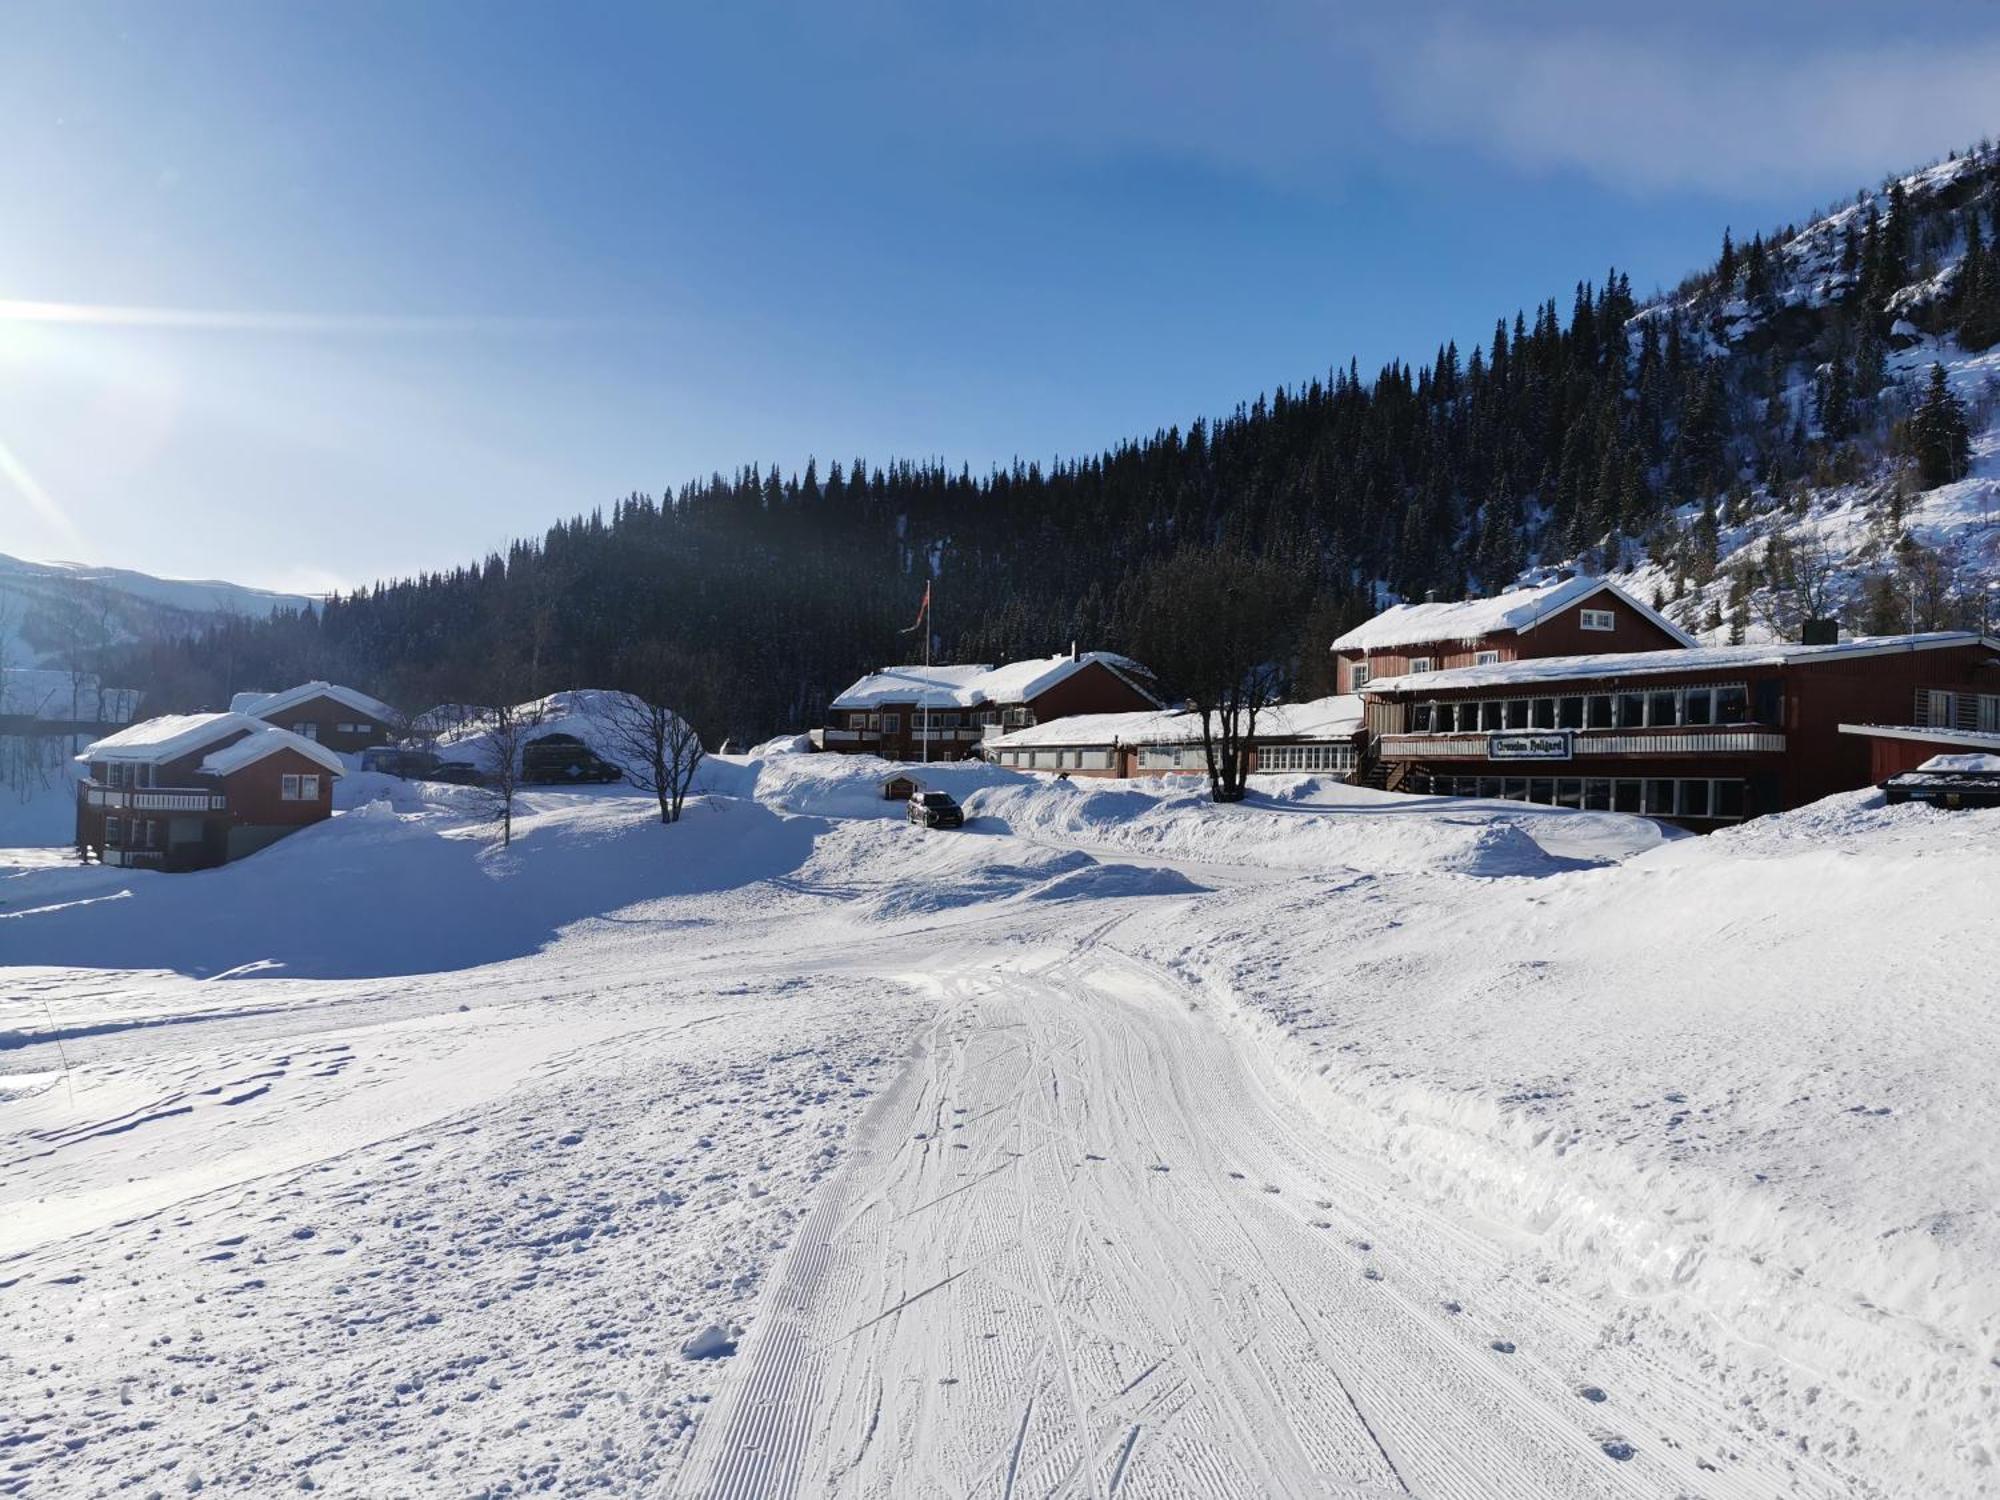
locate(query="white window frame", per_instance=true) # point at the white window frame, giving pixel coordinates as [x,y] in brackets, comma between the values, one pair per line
[288,787]
[1422,664]
[1359,674]
[1599,619]
[1486,659]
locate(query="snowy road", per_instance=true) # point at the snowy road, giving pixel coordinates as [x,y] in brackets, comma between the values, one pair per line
[1089,1244]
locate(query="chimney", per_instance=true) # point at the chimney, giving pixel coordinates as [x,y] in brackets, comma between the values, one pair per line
[1820,633]
[1072,650]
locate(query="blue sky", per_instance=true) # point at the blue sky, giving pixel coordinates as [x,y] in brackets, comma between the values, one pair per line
[310,294]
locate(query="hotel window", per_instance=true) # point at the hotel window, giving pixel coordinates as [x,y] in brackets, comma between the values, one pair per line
[113,833]
[1732,705]
[1729,799]
[1569,792]
[1467,715]
[1660,799]
[1569,713]
[1486,659]
[1662,710]
[1631,710]
[1420,664]
[1542,789]
[1597,793]
[1359,674]
[891,723]
[1599,619]
[288,789]
[1420,718]
[1515,789]
[1517,713]
[1697,706]
[1598,711]
[1543,713]
[309,788]
[1694,799]
[1491,715]
[306,729]
[1626,796]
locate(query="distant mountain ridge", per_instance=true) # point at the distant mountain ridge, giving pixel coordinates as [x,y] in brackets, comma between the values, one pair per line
[48,609]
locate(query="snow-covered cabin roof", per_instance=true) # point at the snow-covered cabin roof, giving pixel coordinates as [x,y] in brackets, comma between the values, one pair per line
[1516,612]
[263,705]
[268,741]
[169,736]
[1696,659]
[48,693]
[974,686]
[1323,718]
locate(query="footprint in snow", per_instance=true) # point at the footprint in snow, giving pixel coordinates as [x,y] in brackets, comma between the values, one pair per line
[1453,1308]
[1237,1175]
[1590,1393]
[1502,1346]
[1372,1274]
[1619,1449]
[1160,1166]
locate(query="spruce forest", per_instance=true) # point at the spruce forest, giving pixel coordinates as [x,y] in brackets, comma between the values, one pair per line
[1592,431]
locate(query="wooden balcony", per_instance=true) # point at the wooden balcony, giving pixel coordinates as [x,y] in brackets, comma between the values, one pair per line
[1686,740]
[168,799]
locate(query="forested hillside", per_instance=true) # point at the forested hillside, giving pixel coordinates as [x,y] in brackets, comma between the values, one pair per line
[1768,441]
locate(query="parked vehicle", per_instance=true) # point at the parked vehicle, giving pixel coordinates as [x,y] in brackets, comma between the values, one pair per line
[563,758]
[394,760]
[936,810]
[456,773]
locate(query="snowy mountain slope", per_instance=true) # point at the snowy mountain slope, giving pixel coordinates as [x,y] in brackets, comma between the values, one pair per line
[36,597]
[1850,505]
[1245,1151]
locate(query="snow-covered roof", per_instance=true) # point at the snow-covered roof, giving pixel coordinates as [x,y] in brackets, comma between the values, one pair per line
[928,687]
[170,736]
[46,693]
[263,705]
[1968,739]
[973,686]
[1985,765]
[1695,659]
[1323,718]
[1516,611]
[268,741]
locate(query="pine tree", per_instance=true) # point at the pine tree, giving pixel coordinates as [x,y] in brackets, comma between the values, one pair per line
[1940,439]
[1725,267]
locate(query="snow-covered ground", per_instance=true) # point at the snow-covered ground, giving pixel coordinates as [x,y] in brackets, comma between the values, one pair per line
[1336,1143]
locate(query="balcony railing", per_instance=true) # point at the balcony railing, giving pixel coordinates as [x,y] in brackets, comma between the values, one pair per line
[153,799]
[1954,708]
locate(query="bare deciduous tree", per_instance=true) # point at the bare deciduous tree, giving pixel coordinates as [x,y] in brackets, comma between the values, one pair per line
[509,724]
[654,723]
[1216,625]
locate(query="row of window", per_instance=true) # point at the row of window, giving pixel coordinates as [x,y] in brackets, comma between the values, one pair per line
[121,773]
[1305,757]
[1653,796]
[1057,760]
[359,726]
[940,718]
[298,788]
[1653,708]
[145,833]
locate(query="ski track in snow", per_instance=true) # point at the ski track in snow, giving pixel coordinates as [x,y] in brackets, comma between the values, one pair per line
[1009,1168]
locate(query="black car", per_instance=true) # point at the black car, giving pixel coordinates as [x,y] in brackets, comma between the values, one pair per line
[564,759]
[455,772]
[936,810]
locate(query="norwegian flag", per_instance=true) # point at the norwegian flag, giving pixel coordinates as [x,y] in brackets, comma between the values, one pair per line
[923,611]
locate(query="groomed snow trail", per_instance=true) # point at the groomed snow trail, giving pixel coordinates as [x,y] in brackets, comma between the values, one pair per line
[1090,1244]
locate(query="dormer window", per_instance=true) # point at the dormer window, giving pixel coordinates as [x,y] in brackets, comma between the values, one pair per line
[1421,664]
[1599,619]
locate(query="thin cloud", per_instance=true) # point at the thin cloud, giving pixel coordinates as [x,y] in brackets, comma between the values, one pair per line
[107,315]
[1648,115]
